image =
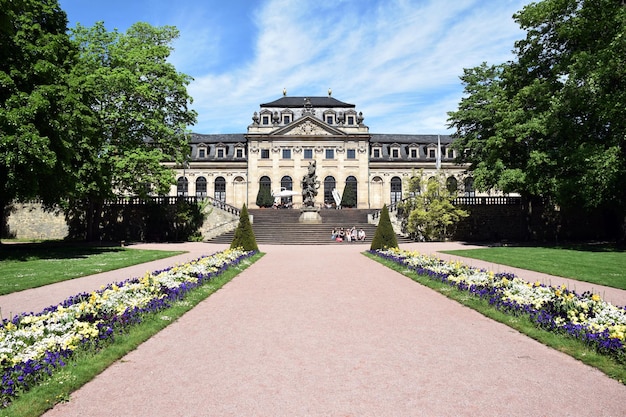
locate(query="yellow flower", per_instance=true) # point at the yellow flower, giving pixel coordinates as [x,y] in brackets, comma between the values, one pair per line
[596,297]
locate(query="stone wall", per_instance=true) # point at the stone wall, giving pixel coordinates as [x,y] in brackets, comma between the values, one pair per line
[218,222]
[32,221]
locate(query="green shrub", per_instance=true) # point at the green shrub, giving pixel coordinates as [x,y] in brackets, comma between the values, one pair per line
[384,237]
[264,197]
[348,198]
[244,235]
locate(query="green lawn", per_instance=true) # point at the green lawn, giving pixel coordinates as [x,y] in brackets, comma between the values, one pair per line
[603,265]
[24,266]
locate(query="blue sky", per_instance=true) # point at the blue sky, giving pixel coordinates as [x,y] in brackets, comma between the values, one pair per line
[398,61]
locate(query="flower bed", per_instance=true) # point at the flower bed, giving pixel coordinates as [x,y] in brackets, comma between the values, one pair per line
[33,345]
[584,316]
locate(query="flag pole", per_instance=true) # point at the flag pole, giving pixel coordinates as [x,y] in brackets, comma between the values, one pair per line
[438,163]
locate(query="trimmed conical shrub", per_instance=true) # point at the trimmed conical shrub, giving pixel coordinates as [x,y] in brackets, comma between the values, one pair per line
[348,199]
[264,197]
[384,237]
[244,235]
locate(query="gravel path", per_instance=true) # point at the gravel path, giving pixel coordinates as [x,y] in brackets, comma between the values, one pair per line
[324,331]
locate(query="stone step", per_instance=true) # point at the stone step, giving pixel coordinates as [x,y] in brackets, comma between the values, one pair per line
[282,227]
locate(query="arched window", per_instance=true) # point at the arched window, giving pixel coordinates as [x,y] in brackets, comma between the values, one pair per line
[286,183]
[329,185]
[452,185]
[201,187]
[469,187]
[220,189]
[266,182]
[351,200]
[396,190]
[182,187]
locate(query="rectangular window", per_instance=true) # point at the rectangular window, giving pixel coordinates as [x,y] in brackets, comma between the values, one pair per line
[220,153]
[329,120]
[239,153]
[351,154]
[376,153]
[265,120]
[286,153]
[451,153]
[330,154]
[265,154]
[431,153]
[394,153]
[350,120]
[413,153]
[201,153]
[286,119]
[308,154]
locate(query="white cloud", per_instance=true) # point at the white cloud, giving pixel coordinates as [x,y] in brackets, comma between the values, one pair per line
[398,61]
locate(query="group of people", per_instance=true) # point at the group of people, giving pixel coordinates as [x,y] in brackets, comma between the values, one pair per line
[347,234]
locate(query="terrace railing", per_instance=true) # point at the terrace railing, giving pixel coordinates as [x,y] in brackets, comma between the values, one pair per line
[169,200]
[466,201]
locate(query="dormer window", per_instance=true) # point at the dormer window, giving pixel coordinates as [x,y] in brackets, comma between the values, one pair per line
[265,119]
[450,152]
[350,120]
[395,153]
[220,152]
[286,117]
[330,117]
[202,153]
[239,153]
[414,152]
[432,153]
[376,152]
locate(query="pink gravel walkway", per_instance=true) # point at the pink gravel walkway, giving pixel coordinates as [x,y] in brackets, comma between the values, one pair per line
[324,331]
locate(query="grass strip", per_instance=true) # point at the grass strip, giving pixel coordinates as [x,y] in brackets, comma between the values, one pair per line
[602,265]
[573,347]
[87,365]
[30,266]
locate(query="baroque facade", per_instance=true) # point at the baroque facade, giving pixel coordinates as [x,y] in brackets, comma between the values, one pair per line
[288,134]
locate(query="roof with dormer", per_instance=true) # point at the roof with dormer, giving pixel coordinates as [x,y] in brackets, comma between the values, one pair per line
[408,139]
[299,102]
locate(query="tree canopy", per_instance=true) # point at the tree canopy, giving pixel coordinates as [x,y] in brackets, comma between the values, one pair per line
[551,123]
[134,117]
[36,153]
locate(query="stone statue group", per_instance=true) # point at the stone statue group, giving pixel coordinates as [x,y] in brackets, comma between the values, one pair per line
[310,185]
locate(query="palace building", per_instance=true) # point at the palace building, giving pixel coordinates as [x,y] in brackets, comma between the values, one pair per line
[287,134]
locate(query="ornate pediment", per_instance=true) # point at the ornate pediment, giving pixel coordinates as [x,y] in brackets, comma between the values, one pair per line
[308,126]
[307,129]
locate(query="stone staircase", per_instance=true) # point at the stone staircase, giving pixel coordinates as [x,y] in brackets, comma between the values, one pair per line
[281,227]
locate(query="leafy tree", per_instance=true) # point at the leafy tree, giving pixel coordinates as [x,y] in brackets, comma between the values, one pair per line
[552,123]
[432,216]
[244,235]
[264,197]
[36,151]
[384,237]
[134,118]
